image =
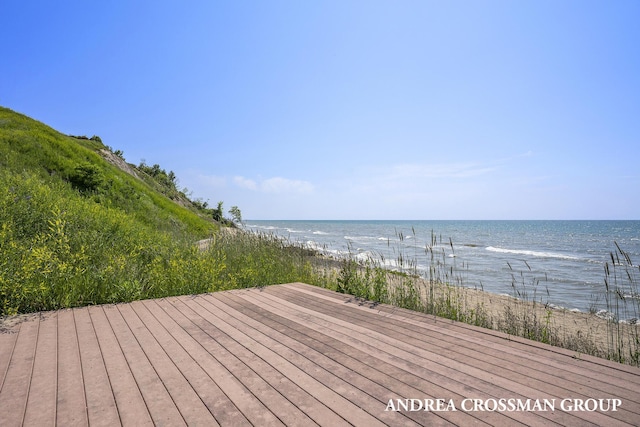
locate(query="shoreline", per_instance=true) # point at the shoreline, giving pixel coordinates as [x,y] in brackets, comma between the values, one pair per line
[585,333]
[565,258]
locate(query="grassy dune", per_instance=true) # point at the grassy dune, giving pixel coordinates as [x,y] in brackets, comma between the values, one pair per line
[76,229]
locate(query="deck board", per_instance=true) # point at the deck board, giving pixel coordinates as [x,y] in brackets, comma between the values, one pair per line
[17,383]
[447,358]
[328,352]
[44,377]
[71,406]
[101,405]
[229,337]
[619,380]
[455,378]
[131,406]
[485,336]
[286,355]
[333,390]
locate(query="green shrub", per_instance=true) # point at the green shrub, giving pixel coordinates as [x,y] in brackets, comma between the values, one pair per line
[87,177]
[60,249]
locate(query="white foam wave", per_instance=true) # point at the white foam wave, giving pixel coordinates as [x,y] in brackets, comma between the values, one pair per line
[310,244]
[265,227]
[365,256]
[323,249]
[604,314]
[390,263]
[320,233]
[531,253]
[364,238]
[262,227]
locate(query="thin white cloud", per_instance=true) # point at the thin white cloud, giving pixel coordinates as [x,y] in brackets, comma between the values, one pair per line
[212,180]
[243,182]
[409,172]
[451,170]
[275,185]
[422,180]
[283,185]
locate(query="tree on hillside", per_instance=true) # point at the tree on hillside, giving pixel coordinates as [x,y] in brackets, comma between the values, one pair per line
[167,180]
[218,213]
[235,213]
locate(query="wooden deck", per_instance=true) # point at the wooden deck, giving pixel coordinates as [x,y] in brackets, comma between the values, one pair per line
[291,355]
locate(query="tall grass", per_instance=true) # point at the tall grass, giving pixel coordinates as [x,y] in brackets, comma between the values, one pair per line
[442,291]
[76,230]
[252,260]
[61,250]
[623,302]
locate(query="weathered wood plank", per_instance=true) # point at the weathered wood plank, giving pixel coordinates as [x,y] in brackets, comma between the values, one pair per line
[470,350]
[221,365]
[71,400]
[374,378]
[299,359]
[534,374]
[529,347]
[131,406]
[187,401]
[210,371]
[291,355]
[101,405]
[413,366]
[15,390]
[282,408]
[244,366]
[9,333]
[591,383]
[161,406]
[41,404]
[330,317]
[181,373]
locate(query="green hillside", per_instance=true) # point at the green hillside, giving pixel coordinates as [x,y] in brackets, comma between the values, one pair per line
[28,146]
[78,225]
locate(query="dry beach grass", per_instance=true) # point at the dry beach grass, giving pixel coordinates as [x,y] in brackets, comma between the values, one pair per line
[579,331]
[443,293]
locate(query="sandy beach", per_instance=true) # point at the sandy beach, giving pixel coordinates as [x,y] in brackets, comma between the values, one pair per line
[585,333]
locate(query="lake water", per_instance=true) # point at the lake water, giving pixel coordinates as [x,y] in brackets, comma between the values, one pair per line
[565,258]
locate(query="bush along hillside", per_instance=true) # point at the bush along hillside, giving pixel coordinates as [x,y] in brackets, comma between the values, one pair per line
[76,229]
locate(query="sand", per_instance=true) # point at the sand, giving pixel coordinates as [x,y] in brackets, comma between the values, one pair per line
[583,332]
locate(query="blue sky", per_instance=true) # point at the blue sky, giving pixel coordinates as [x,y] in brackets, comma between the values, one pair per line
[349,109]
